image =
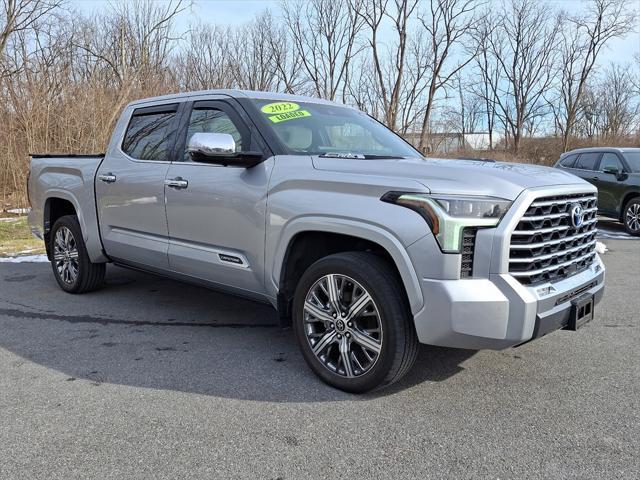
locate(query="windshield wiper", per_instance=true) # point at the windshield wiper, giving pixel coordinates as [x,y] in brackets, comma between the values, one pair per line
[358,156]
[383,157]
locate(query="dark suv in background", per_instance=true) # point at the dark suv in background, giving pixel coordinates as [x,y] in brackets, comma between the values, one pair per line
[616,174]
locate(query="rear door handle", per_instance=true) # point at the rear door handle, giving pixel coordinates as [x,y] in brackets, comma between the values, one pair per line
[107,178]
[177,182]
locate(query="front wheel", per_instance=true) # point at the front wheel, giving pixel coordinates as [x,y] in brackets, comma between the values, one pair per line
[353,323]
[71,265]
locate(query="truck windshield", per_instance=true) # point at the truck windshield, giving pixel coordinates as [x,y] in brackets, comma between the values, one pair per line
[331,131]
[633,159]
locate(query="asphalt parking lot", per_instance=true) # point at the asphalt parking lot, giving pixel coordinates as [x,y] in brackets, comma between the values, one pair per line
[149,378]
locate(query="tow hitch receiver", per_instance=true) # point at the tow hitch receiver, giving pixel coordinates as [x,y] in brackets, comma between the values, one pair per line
[581,312]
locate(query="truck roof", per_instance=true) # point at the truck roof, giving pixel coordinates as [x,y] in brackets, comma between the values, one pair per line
[237,94]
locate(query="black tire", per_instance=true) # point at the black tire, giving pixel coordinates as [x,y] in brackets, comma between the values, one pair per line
[90,276]
[399,345]
[630,217]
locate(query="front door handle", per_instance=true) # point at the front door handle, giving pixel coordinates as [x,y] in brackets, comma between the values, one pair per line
[107,178]
[177,182]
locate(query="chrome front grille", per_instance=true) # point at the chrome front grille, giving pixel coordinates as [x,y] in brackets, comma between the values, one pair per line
[546,245]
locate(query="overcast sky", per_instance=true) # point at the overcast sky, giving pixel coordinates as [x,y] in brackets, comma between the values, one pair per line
[233,12]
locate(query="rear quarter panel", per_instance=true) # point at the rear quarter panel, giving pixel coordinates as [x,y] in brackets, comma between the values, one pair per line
[70,179]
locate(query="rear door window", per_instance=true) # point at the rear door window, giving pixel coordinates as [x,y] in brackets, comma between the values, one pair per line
[587,161]
[569,160]
[150,133]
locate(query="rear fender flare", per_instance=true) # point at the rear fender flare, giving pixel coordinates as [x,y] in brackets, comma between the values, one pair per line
[94,245]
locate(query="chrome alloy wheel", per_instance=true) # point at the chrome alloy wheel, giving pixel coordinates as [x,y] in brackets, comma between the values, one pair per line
[65,255]
[633,217]
[342,325]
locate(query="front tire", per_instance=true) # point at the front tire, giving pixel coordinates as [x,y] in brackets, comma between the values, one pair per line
[70,262]
[631,216]
[352,322]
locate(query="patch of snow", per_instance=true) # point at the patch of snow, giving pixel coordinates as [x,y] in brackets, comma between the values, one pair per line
[601,248]
[19,211]
[42,258]
[9,219]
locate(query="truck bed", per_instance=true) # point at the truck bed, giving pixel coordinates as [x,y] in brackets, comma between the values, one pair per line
[66,155]
[70,180]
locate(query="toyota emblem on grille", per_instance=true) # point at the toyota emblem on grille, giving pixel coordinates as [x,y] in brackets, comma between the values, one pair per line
[577,215]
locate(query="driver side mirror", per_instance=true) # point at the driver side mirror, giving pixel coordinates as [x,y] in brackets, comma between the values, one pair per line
[220,149]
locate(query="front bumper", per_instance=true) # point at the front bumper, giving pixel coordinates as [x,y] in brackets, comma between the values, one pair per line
[494,310]
[499,312]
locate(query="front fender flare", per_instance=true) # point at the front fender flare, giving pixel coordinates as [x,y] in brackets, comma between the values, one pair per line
[354,228]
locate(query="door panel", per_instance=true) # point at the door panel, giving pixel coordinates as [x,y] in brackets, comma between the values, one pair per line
[216,221]
[610,189]
[130,191]
[131,210]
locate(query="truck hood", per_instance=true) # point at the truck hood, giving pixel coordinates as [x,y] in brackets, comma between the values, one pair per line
[469,177]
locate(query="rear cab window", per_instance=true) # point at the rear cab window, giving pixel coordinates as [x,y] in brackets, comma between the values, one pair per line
[149,135]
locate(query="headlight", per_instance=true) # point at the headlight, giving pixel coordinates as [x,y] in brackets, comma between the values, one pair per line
[449,215]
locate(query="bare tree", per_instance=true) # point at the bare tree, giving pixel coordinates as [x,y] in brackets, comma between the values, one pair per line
[363,88]
[391,84]
[470,106]
[583,39]
[325,35]
[636,77]
[253,60]
[619,104]
[524,45]
[18,17]
[286,61]
[488,72]
[414,84]
[205,64]
[588,121]
[447,23]
[136,39]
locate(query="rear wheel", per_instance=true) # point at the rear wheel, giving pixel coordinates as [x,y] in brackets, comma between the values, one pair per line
[352,322]
[631,216]
[71,265]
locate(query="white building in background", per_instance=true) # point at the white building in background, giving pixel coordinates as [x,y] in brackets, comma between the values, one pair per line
[480,141]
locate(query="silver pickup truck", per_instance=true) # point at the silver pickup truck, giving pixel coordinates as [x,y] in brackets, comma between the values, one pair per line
[364,246]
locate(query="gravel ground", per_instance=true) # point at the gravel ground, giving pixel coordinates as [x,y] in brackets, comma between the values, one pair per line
[150,378]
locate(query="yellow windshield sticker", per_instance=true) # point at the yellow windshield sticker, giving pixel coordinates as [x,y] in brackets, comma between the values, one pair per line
[283,117]
[280,107]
